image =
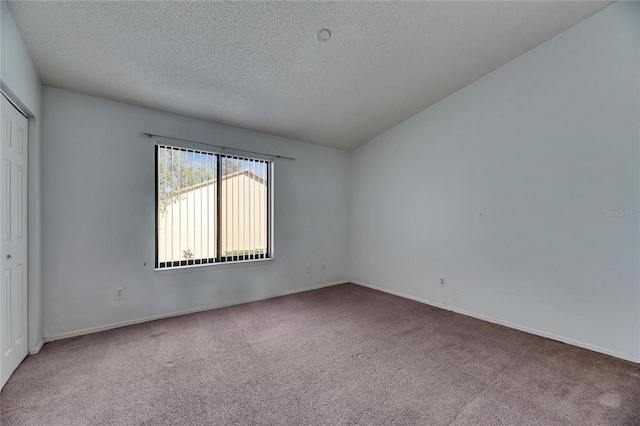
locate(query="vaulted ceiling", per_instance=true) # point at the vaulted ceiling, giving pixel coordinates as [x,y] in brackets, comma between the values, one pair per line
[260,65]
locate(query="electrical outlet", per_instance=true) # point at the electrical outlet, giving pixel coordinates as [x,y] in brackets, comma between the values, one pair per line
[324,267]
[119,293]
[308,268]
[443,281]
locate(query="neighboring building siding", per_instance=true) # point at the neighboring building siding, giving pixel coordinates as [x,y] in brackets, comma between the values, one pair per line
[188,223]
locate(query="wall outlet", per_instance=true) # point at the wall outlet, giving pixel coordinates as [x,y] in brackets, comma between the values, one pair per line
[308,268]
[119,293]
[324,267]
[443,281]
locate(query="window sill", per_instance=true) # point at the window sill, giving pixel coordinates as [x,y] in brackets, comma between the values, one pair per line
[211,266]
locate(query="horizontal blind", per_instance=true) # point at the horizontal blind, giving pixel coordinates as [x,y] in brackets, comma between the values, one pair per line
[210,208]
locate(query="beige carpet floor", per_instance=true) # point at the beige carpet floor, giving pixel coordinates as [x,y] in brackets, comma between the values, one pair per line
[343,355]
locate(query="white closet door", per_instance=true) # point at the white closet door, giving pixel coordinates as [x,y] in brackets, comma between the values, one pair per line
[13,233]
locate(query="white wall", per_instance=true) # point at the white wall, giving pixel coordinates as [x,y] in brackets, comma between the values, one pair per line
[19,80]
[99,216]
[504,186]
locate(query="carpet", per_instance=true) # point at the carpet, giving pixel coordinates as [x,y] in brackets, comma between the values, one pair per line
[342,355]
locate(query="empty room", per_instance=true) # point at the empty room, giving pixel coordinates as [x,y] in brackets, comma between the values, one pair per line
[306,213]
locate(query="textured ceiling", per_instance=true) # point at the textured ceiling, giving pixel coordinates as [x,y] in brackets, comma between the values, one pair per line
[259,65]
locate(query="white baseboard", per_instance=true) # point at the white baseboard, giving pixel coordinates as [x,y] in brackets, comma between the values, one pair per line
[175,314]
[33,351]
[564,339]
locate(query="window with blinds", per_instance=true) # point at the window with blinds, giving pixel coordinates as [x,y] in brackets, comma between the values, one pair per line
[211,208]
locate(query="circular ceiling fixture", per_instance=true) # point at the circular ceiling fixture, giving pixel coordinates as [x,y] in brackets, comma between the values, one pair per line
[323,34]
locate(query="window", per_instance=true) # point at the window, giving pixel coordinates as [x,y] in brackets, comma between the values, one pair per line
[211,208]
